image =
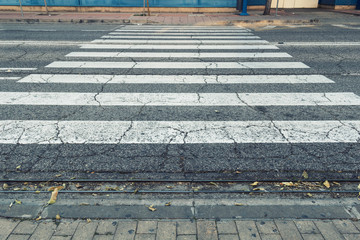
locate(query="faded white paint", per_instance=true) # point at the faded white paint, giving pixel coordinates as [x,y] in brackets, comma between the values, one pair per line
[178,46]
[181,37]
[178,55]
[177,65]
[178,99]
[141,41]
[177,132]
[174,79]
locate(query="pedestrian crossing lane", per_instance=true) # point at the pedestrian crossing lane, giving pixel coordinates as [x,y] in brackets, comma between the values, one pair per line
[149,43]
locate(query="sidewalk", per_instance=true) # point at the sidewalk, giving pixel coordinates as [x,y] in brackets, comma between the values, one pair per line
[179,229]
[285,16]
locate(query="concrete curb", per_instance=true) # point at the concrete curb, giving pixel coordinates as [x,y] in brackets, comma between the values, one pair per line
[184,209]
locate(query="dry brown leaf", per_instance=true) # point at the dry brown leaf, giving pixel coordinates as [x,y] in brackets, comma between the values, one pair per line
[327,184]
[169,187]
[54,194]
[151,208]
[84,204]
[305,175]
[237,172]
[53,188]
[259,189]
[336,183]
[288,184]
[57,217]
[239,204]
[168,204]
[254,184]
[78,185]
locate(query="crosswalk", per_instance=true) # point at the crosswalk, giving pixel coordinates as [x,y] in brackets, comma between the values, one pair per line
[190,49]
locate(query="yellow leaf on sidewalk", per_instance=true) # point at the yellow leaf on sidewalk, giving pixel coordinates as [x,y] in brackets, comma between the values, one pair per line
[58,217]
[305,175]
[254,184]
[151,208]
[55,191]
[326,184]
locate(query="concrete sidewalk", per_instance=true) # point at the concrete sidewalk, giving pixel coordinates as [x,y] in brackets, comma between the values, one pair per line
[285,16]
[179,229]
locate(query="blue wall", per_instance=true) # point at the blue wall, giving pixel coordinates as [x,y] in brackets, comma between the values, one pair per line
[338,2]
[132,3]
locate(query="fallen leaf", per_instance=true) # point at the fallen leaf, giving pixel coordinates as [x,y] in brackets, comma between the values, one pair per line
[151,208]
[326,184]
[239,204]
[84,204]
[309,194]
[170,187]
[217,111]
[11,204]
[237,172]
[288,184]
[54,194]
[72,178]
[5,186]
[259,189]
[37,192]
[17,189]
[168,204]
[88,220]
[196,188]
[78,185]
[18,202]
[254,184]
[39,218]
[136,191]
[53,188]
[59,175]
[57,217]
[305,175]
[18,167]
[359,186]
[215,184]
[336,183]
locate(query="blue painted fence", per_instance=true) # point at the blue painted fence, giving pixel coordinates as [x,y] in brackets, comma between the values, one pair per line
[131,3]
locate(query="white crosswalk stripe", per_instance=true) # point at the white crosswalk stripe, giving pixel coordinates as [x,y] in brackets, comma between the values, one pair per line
[178,99]
[193,41]
[178,46]
[179,132]
[180,37]
[175,65]
[177,55]
[174,79]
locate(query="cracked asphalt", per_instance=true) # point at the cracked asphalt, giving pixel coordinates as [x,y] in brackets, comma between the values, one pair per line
[177,156]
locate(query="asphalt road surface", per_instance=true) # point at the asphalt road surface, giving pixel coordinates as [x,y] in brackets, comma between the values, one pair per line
[111,101]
